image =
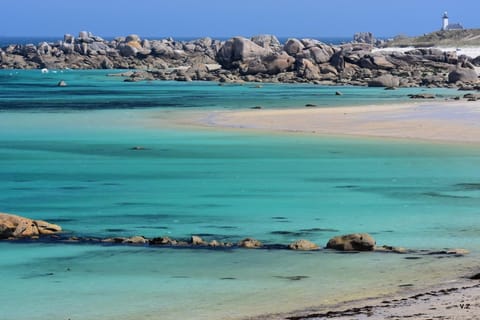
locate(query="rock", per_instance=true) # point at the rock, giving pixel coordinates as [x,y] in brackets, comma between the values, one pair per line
[338,93]
[422,96]
[391,249]
[135,240]
[129,49]
[239,49]
[303,245]
[162,241]
[214,244]
[308,70]
[197,241]
[293,46]
[62,84]
[386,80]
[250,243]
[69,39]
[46,228]
[267,41]
[475,277]
[462,75]
[13,226]
[352,242]
[132,37]
[364,37]
[458,251]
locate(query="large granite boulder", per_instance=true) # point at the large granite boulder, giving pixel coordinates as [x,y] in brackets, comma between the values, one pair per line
[273,64]
[462,75]
[240,50]
[306,69]
[303,245]
[293,47]
[267,41]
[352,242]
[386,80]
[13,226]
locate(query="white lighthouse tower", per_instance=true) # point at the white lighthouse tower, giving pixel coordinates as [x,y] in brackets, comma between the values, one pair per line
[445,21]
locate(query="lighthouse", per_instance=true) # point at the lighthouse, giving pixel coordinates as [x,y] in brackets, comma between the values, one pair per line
[445,21]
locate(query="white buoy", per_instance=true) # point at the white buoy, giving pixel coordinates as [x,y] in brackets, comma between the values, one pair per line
[44,70]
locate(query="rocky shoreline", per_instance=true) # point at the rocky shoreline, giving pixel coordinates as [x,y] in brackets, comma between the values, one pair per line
[21,229]
[258,59]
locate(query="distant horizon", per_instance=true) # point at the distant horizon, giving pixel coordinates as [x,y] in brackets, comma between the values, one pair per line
[218,19]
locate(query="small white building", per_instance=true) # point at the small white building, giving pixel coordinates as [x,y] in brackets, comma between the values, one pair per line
[446,26]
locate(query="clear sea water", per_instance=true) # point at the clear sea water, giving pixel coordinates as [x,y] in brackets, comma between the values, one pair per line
[65,157]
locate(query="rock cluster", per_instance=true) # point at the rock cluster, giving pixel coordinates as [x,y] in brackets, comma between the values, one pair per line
[261,58]
[14,227]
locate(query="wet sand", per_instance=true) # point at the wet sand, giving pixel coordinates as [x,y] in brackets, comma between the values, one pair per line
[442,121]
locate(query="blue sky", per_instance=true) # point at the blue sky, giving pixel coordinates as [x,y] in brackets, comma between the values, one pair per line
[224,18]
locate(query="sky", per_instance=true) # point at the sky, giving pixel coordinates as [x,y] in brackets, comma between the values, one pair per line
[226,18]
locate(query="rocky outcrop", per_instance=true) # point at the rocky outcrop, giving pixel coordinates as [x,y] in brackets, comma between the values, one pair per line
[303,245]
[352,242]
[261,58]
[15,227]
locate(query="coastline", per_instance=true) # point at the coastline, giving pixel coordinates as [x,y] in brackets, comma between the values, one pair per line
[445,122]
[436,121]
[458,300]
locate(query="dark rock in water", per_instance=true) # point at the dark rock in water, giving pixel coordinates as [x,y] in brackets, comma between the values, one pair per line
[256,107]
[422,96]
[338,93]
[352,242]
[62,84]
[162,241]
[292,278]
[390,88]
[391,249]
[303,245]
[138,148]
[475,277]
[136,240]
[250,243]
[310,105]
[14,227]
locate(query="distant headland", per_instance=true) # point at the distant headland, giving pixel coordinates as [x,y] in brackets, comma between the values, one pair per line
[260,58]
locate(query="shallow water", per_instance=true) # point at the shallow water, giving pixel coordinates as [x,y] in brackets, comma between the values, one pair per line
[76,167]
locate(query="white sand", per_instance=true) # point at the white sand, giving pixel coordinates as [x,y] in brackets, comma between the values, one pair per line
[432,121]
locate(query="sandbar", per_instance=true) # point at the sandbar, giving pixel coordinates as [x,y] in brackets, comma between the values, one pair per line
[440,121]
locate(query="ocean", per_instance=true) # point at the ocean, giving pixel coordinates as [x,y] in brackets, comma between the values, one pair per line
[5,41]
[66,157]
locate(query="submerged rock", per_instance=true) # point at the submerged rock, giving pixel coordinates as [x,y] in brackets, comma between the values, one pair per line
[13,226]
[352,242]
[249,243]
[303,245]
[62,84]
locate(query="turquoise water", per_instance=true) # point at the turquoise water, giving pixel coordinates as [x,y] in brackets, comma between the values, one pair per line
[75,166]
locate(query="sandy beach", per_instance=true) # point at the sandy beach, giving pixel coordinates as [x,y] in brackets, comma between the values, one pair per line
[442,121]
[448,122]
